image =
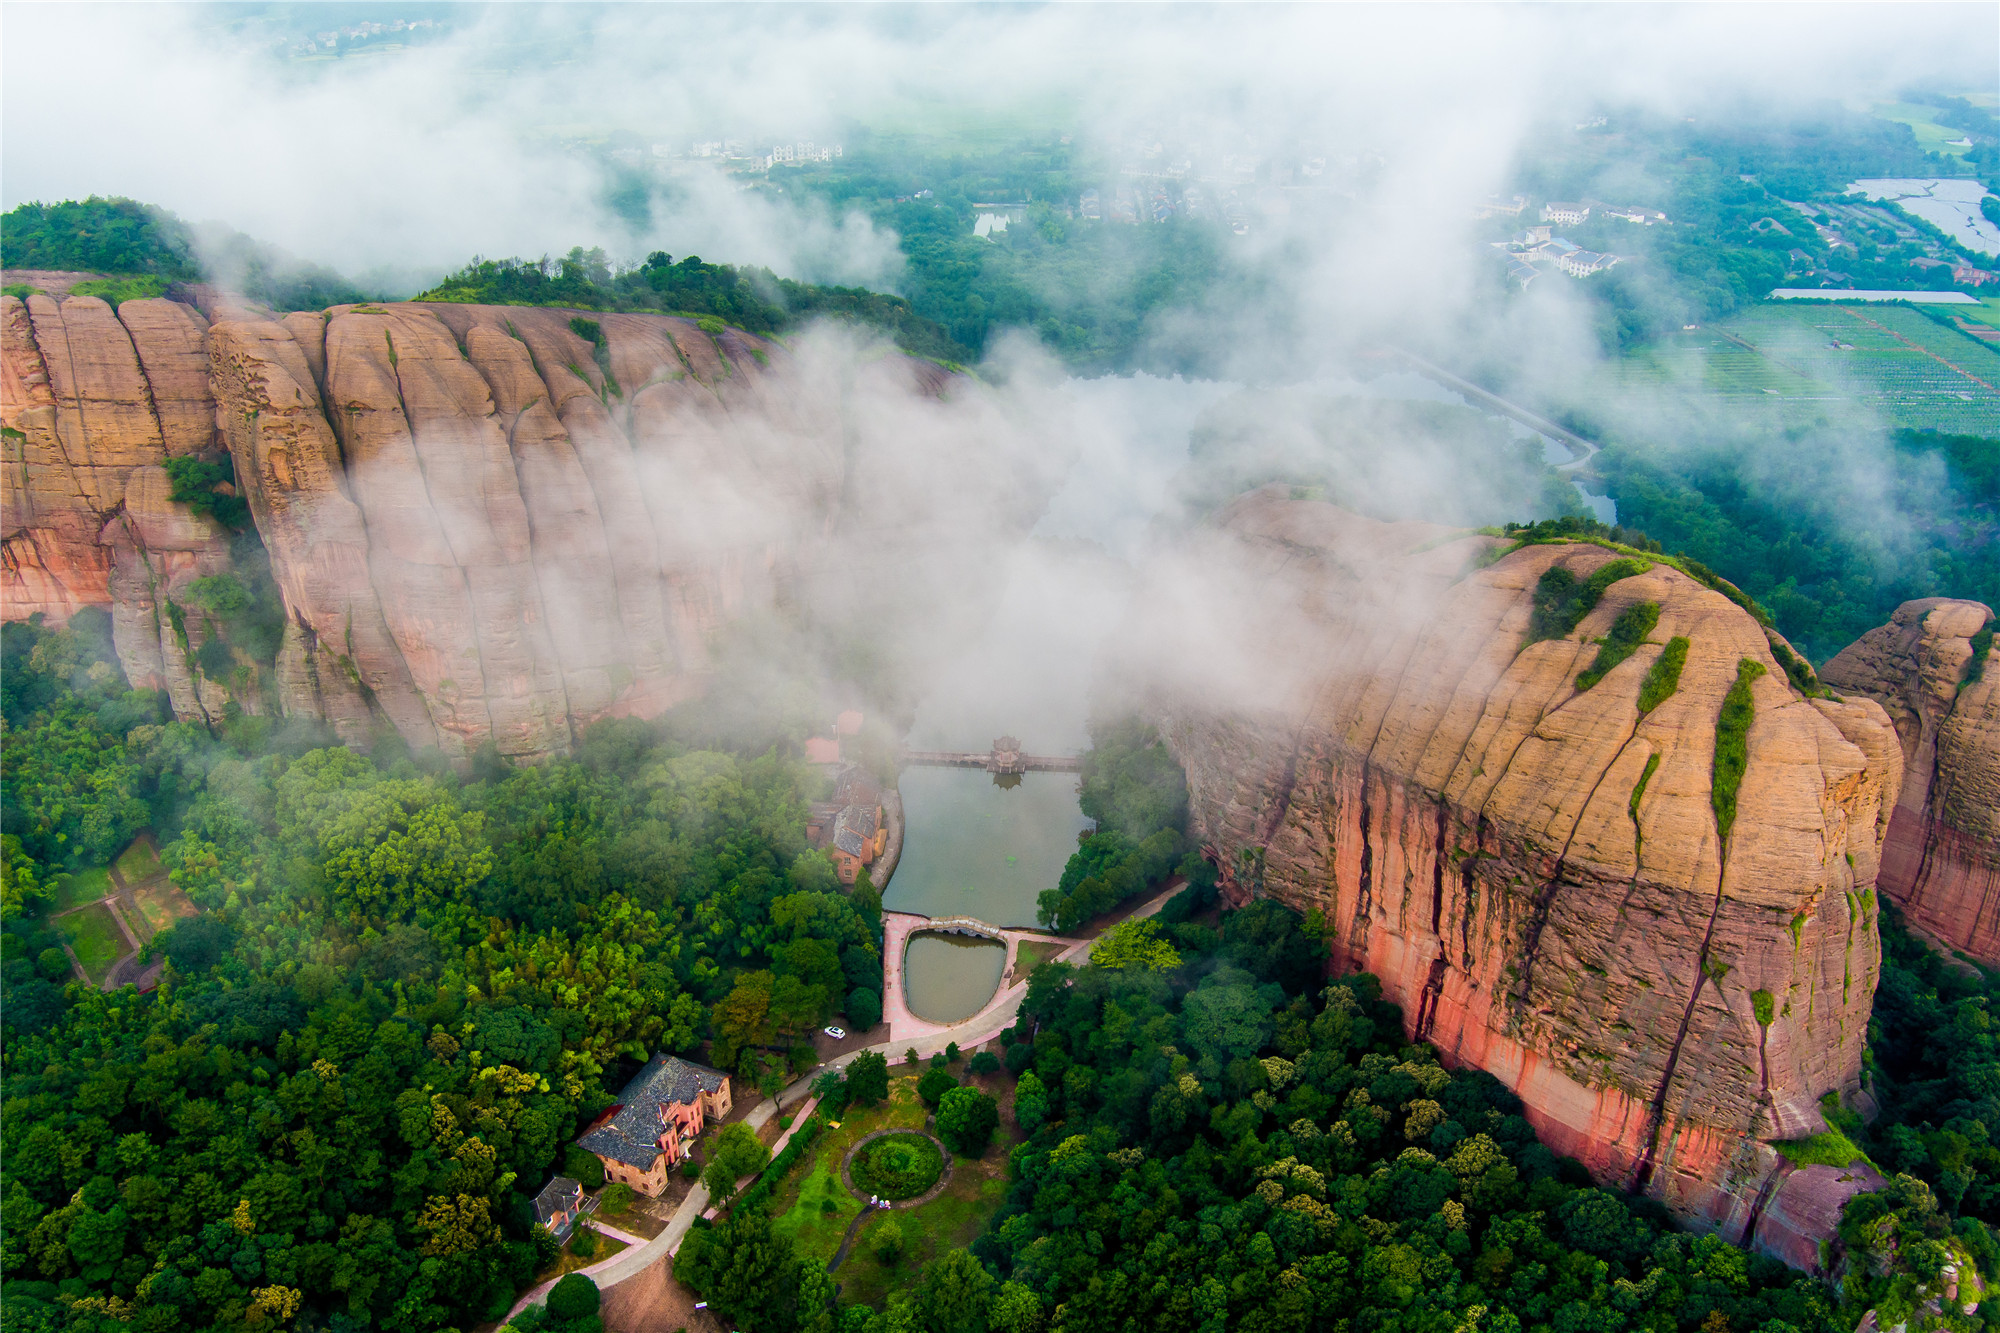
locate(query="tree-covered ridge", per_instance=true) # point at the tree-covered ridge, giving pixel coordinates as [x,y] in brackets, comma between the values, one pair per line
[405,994]
[755,300]
[1826,578]
[100,236]
[125,237]
[1134,790]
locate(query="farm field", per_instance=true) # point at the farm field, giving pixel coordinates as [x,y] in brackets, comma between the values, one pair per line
[95,937]
[1808,362]
[1987,312]
[160,904]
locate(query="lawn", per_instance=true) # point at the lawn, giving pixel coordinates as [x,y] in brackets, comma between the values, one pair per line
[160,904]
[568,1260]
[96,939]
[139,863]
[84,886]
[952,1220]
[1029,955]
[1931,136]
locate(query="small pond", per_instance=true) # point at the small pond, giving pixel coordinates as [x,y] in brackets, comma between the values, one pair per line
[949,978]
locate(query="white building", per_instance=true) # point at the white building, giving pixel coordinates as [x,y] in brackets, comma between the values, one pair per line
[1583,263]
[1645,217]
[1569,215]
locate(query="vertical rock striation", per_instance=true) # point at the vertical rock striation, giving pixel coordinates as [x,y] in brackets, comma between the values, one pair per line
[1537,873]
[92,402]
[486,527]
[1941,862]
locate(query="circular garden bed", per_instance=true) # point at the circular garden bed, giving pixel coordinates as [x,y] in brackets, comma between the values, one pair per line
[896,1166]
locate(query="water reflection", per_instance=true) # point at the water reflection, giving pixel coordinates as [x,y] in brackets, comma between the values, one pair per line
[950,977]
[975,848]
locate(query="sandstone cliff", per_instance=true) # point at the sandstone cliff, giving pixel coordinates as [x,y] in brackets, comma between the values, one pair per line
[1941,862]
[1537,872]
[487,524]
[92,401]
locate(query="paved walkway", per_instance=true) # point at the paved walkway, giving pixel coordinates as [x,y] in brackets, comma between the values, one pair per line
[643,1253]
[981,1028]
[904,1026]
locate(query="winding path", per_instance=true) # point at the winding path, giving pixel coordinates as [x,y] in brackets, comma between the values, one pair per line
[981,1028]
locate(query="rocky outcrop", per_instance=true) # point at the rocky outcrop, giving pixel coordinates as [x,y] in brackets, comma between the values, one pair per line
[488,525]
[1941,863]
[92,402]
[1538,873]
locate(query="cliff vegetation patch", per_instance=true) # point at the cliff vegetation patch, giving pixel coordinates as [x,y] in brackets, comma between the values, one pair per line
[1634,623]
[1663,678]
[1732,745]
[1562,599]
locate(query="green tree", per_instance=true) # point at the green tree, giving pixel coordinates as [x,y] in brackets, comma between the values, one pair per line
[957,1294]
[966,1119]
[864,1008]
[1136,945]
[574,1296]
[738,1153]
[1031,1102]
[885,1239]
[745,1271]
[934,1085]
[868,1078]
[402,846]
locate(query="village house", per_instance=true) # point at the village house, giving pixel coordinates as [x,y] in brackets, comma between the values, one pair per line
[858,833]
[1569,215]
[559,1204]
[656,1121]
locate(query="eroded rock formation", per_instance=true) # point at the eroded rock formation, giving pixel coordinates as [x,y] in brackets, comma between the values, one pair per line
[1537,872]
[487,524]
[1941,862]
[92,402]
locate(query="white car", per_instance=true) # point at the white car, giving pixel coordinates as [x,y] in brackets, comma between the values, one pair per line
[836,1033]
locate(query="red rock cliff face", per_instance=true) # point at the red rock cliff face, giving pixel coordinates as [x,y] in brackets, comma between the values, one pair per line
[1941,862]
[1534,872]
[484,527]
[92,401]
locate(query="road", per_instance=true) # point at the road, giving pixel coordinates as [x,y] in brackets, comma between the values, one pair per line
[1584,450]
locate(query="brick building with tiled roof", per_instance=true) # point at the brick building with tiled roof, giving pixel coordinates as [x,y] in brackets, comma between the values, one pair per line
[656,1121]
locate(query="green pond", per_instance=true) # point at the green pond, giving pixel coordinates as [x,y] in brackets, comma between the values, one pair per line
[973,847]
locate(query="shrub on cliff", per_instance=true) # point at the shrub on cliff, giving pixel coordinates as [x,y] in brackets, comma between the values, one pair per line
[1732,746]
[1663,678]
[1561,599]
[1634,623]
